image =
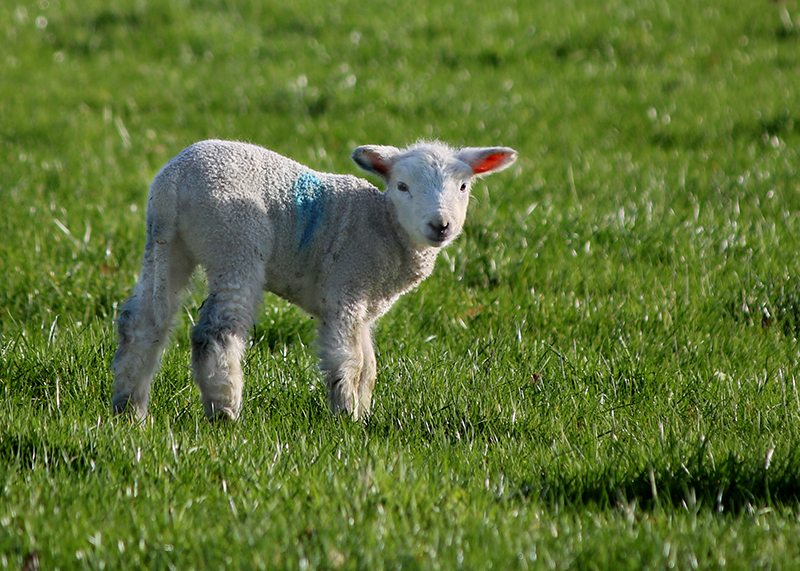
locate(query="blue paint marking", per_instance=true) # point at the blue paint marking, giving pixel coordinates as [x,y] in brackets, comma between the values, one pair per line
[309,200]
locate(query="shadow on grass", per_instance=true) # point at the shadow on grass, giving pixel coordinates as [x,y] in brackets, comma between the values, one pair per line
[678,481]
[732,485]
[28,452]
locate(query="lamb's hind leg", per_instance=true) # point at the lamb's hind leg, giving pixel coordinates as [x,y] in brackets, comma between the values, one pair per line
[144,323]
[218,340]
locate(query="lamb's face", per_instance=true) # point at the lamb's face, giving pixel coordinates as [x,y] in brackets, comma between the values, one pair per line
[429,184]
[430,194]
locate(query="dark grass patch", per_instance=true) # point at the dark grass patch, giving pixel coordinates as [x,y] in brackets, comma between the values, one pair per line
[772,304]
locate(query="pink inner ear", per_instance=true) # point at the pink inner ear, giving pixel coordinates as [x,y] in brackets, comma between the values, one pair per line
[377,163]
[489,163]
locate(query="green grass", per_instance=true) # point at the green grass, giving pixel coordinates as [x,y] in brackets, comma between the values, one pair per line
[600,374]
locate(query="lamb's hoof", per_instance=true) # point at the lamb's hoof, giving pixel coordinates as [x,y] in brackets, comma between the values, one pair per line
[121,406]
[355,413]
[221,415]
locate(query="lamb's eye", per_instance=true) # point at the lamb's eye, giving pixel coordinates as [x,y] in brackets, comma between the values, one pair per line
[464,187]
[403,187]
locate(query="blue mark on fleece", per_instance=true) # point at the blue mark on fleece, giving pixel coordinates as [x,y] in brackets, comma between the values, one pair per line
[308,192]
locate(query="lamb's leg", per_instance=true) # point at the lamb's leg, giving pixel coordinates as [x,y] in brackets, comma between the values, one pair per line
[218,342]
[342,360]
[367,381]
[144,323]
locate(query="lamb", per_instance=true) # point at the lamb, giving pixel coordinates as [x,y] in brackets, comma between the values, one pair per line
[334,245]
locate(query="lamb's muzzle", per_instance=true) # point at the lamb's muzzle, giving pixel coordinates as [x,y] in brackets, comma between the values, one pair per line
[439,232]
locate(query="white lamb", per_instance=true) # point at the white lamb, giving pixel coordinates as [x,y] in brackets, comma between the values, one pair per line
[332,244]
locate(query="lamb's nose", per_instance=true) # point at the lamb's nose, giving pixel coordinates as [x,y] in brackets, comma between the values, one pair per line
[440,229]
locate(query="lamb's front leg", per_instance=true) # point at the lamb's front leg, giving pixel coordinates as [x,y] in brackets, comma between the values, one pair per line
[344,363]
[368,372]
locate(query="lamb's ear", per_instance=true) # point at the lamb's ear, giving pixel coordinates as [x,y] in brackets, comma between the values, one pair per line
[486,160]
[376,159]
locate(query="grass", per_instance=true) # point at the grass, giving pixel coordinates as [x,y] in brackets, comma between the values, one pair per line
[600,374]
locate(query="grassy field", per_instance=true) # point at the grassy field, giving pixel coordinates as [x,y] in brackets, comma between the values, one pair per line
[600,374]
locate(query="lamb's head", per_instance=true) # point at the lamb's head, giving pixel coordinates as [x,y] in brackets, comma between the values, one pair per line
[429,184]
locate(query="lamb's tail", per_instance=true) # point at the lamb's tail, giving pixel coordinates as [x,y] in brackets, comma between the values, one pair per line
[147,315]
[162,251]
[162,206]
[162,225]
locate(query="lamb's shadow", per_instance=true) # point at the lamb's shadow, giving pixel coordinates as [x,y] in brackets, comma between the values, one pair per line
[733,485]
[736,483]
